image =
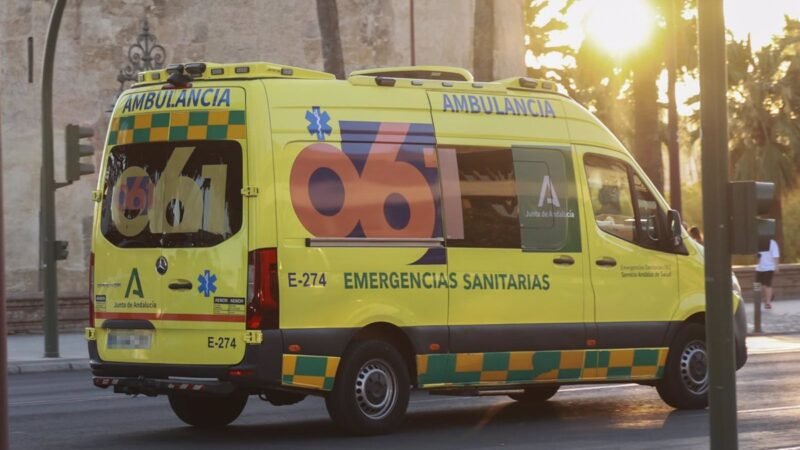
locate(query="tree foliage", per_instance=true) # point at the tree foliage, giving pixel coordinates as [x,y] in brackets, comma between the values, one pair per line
[764,111]
[622,93]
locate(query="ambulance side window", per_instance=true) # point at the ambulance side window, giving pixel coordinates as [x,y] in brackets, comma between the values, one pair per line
[480,197]
[609,188]
[548,206]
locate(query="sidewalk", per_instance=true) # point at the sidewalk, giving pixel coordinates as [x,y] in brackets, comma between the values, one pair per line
[783,318]
[26,353]
[25,350]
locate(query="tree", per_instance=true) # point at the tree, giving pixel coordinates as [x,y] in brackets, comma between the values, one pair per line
[588,75]
[483,41]
[623,94]
[328,16]
[764,112]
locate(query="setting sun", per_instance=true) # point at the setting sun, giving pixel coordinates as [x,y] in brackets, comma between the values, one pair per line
[619,26]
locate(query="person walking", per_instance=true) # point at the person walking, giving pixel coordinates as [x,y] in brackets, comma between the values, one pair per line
[768,264]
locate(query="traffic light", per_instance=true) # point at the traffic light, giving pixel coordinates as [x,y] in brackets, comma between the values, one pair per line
[61,250]
[75,150]
[748,200]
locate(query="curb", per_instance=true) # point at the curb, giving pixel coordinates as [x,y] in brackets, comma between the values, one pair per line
[57,365]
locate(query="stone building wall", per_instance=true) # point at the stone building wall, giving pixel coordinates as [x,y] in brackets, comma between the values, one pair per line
[92,47]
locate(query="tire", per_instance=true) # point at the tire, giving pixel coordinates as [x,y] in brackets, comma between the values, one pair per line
[371,390]
[536,394]
[685,382]
[207,411]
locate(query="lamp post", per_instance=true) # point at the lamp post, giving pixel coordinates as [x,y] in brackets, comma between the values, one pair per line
[47,225]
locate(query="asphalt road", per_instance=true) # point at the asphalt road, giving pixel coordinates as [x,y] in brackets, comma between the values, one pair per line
[64,411]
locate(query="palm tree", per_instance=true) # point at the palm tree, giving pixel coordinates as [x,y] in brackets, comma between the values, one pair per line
[601,83]
[764,112]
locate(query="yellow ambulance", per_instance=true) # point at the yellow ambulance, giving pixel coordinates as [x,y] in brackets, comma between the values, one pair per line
[265,230]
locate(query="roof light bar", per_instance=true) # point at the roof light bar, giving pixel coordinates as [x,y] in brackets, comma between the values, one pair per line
[383,81]
[174,68]
[195,69]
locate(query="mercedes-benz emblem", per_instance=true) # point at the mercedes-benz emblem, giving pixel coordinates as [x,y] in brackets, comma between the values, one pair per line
[161,265]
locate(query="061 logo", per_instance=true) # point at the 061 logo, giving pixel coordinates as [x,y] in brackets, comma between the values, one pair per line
[382,183]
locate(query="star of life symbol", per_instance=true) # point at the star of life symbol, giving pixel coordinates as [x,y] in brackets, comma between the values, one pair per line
[318,123]
[550,197]
[207,281]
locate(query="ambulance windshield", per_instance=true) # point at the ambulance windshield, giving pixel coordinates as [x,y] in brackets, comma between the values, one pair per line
[172,194]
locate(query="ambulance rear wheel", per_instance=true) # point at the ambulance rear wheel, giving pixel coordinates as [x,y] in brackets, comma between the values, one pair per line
[371,391]
[685,382]
[536,394]
[207,411]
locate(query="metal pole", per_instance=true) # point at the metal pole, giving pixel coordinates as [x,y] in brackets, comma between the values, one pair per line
[757,307]
[719,304]
[413,44]
[47,227]
[4,441]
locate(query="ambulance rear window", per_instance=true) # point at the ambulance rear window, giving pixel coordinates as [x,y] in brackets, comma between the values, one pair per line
[172,194]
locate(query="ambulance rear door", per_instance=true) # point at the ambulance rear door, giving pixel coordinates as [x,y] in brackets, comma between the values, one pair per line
[173,217]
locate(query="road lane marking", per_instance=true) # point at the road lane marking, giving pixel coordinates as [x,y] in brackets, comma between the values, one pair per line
[757,345]
[65,400]
[777,408]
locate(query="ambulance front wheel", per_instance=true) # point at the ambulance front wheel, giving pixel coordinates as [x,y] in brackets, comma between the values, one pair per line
[207,411]
[371,390]
[685,382]
[536,394]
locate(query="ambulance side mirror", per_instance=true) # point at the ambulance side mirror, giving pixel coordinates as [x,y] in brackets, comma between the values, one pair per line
[674,227]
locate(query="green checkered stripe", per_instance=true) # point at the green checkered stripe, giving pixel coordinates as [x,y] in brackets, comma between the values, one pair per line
[177,126]
[543,366]
[310,372]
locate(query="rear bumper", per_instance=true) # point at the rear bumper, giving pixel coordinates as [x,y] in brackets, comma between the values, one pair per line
[153,386]
[260,367]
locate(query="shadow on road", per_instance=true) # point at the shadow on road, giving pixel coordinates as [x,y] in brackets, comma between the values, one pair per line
[458,424]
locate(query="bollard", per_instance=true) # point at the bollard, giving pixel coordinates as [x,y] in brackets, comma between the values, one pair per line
[757,307]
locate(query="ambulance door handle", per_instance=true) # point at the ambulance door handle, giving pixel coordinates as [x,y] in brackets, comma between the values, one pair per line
[563,260]
[180,285]
[606,262]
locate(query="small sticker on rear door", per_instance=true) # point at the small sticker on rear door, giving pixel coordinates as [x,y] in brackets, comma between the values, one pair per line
[100,302]
[229,305]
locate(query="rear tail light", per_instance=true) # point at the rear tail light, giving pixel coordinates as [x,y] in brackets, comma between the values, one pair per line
[91,290]
[262,289]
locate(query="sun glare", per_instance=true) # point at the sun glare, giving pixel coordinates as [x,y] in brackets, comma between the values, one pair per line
[619,26]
